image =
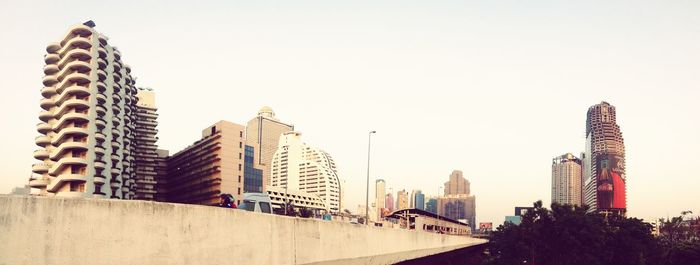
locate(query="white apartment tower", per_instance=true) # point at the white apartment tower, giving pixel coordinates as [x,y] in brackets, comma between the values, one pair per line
[567,180]
[87,120]
[297,166]
[146,163]
[380,197]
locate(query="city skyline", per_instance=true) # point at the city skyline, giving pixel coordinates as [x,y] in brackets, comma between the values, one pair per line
[452,79]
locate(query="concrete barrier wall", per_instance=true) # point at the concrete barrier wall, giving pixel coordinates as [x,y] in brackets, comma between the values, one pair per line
[36,230]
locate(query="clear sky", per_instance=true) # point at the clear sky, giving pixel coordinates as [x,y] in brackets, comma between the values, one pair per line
[493,88]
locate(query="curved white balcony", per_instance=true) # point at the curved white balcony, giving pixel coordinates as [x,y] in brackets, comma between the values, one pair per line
[46,103]
[45,115]
[116,171]
[115,184]
[71,80]
[70,105]
[100,150]
[99,135]
[100,123]
[47,92]
[43,127]
[101,98]
[73,90]
[72,55]
[77,42]
[101,75]
[71,116]
[116,144]
[100,164]
[38,183]
[66,161]
[73,66]
[53,47]
[67,147]
[99,179]
[51,58]
[40,168]
[50,80]
[41,154]
[42,140]
[64,178]
[126,163]
[78,30]
[116,98]
[101,110]
[101,63]
[68,132]
[116,109]
[116,121]
[50,69]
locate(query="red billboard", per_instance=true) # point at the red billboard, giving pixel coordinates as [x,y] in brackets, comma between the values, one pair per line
[610,177]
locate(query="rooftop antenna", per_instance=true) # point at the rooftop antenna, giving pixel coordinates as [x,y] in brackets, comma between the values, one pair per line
[89,23]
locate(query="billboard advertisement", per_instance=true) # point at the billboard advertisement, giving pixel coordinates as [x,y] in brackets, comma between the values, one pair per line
[610,178]
[485,226]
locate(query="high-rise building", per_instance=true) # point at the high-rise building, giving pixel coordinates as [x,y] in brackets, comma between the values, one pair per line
[457,203]
[146,158]
[419,200]
[380,198]
[88,119]
[431,205]
[298,166]
[263,134]
[604,162]
[402,200]
[209,167]
[389,202]
[566,180]
[161,175]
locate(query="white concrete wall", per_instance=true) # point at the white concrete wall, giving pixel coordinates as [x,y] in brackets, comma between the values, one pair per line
[94,231]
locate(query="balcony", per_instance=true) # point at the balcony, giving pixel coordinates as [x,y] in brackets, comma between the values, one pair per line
[71,79]
[99,150]
[99,179]
[67,147]
[100,123]
[116,171]
[115,144]
[68,132]
[51,58]
[71,104]
[115,157]
[116,97]
[66,161]
[100,164]
[99,135]
[42,140]
[40,168]
[72,90]
[101,98]
[41,154]
[101,75]
[71,116]
[50,80]
[38,183]
[47,92]
[77,42]
[50,69]
[64,178]
[45,115]
[43,127]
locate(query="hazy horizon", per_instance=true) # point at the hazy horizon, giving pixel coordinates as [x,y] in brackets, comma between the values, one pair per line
[493,89]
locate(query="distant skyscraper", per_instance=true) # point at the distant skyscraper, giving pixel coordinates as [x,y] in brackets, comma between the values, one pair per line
[88,120]
[419,199]
[457,203]
[380,198]
[146,158]
[604,162]
[389,202]
[298,166]
[431,205]
[263,134]
[401,200]
[566,180]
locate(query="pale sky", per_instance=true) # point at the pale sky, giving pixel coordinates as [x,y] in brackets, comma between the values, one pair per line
[493,88]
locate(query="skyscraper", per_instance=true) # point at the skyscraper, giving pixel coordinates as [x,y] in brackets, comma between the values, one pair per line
[401,200]
[431,205]
[298,166]
[146,158]
[88,119]
[457,203]
[604,162]
[389,202]
[419,200]
[566,180]
[263,134]
[380,197]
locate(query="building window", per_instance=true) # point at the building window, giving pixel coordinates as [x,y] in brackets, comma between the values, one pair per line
[239,179]
[240,144]
[213,130]
[240,134]
[239,167]
[240,155]
[239,191]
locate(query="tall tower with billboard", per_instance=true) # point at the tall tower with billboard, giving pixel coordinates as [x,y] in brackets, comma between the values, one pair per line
[604,162]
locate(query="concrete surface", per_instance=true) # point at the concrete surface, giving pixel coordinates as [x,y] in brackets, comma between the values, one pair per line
[40,230]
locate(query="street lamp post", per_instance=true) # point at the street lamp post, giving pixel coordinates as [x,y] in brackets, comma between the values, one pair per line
[369,145]
[437,207]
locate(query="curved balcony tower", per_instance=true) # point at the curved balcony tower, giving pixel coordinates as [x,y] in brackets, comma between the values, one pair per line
[88,107]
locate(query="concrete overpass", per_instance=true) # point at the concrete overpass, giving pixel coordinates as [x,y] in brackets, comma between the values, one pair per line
[40,230]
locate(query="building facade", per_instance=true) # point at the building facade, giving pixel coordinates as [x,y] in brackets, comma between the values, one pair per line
[431,205]
[263,134]
[87,120]
[297,166]
[604,162]
[457,203]
[402,200]
[419,199]
[209,167]
[567,180]
[389,202]
[145,132]
[380,197]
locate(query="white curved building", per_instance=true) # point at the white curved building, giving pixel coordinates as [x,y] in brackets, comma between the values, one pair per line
[87,119]
[297,166]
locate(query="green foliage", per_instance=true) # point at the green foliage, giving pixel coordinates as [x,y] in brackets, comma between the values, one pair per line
[570,235]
